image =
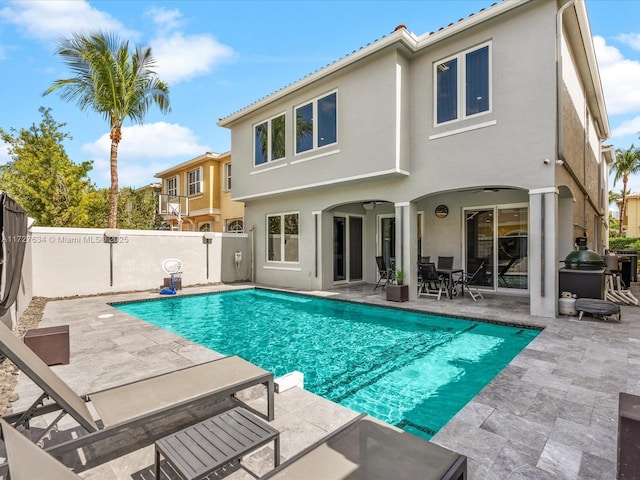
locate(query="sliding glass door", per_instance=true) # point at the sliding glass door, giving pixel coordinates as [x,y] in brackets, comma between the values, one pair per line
[498,235]
[513,234]
[479,243]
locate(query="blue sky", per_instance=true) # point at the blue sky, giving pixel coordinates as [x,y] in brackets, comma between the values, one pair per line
[220,56]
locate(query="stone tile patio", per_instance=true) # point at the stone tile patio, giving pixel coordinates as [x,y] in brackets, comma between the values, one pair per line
[552,413]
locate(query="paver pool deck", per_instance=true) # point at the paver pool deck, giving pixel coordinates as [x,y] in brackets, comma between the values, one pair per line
[552,413]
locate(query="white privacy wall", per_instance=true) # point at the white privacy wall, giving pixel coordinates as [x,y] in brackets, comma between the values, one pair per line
[77,261]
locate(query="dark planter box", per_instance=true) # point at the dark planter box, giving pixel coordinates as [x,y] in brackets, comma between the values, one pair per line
[51,344]
[398,293]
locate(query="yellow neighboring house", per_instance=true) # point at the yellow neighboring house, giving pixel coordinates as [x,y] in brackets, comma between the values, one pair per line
[631,220]
[196,195]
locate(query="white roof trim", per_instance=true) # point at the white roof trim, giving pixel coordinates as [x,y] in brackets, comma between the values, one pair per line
[193,161]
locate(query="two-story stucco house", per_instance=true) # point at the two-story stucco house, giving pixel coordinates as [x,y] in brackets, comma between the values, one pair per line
[481,141]
[196,195]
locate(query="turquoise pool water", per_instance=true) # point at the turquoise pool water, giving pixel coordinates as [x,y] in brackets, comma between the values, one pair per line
[412,370]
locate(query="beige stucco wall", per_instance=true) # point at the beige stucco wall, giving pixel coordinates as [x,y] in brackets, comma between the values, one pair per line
[632,217]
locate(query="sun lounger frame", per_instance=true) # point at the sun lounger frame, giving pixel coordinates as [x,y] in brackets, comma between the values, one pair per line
[221,380]
[123,427]
[456,470]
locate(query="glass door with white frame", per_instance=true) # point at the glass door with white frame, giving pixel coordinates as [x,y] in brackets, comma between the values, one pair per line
[387,238]
[498,235]
[347,248]
[513,235]
[479,243]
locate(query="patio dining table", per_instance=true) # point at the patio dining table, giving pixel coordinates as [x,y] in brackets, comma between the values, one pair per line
[448,273]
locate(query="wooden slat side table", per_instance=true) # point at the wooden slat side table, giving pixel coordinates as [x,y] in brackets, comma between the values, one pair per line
[201,449]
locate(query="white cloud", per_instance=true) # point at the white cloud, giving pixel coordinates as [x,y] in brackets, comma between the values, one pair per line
[607,55]
[56,19]
[629,127]
[631,39]
[166,19]
[144,151]
[620,78]
[181,57]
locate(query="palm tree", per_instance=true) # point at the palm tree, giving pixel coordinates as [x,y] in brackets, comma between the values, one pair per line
[614,197]
[114,82]
[627,163]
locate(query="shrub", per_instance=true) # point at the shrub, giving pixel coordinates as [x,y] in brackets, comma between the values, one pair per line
[622,243]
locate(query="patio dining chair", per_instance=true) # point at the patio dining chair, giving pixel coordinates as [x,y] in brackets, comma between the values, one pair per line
[471,282]
[385,273]
[445,263]
[430,284]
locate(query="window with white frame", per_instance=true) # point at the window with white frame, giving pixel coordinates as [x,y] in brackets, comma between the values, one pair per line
[172,186]
[317,123]
[269,140]
[463,85]
[235,225]
[282,237]
[226,177]
[194,182]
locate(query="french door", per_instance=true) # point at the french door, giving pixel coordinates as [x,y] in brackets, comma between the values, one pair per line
[498,235]
[347,248]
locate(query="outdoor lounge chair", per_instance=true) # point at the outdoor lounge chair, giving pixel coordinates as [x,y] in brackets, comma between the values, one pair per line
[368,449]
[149,403]
[364,448]
[27,461]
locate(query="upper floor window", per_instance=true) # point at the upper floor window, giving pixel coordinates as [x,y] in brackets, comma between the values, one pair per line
[316,123]
[462,85]
[172,186]
[226,177]
[194,183]
[269,140]
[282,237]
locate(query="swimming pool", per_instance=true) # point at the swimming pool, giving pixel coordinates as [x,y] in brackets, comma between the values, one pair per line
[410,369]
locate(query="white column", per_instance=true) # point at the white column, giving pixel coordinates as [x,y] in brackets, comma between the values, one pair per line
[407,244]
